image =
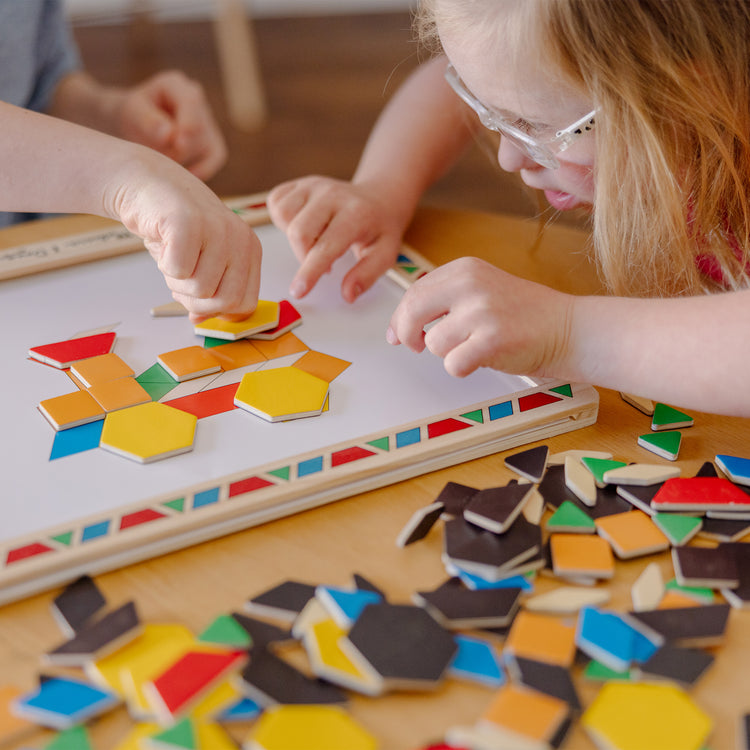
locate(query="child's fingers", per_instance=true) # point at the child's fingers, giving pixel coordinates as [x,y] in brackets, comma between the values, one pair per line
[284,203]
[446,334]
[464,358]
[418,308]
[374,261]
[235,293]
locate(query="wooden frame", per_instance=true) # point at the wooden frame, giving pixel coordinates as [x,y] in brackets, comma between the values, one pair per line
[191,512]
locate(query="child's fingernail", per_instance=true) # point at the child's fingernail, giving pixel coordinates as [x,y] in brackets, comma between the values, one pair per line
[297,289]
[390,336]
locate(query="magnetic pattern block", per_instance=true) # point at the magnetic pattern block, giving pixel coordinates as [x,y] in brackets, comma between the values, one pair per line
[281,393]
[62,354]
[265,317]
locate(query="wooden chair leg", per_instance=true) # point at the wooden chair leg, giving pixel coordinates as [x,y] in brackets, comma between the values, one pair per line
[243,85]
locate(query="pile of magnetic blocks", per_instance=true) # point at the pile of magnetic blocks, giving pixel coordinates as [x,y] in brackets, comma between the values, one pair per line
[568,517]
[154,415]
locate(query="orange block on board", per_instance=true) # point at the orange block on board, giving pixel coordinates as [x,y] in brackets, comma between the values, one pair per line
[189,363]
[237,354]
[542,637]
[71,410]
[112,395]
[323,366]
[580,555]
[280,347]
[100,369]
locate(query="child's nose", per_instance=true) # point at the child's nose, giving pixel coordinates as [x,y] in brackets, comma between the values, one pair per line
[512,158]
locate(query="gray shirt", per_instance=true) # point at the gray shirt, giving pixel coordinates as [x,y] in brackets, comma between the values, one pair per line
[37,50]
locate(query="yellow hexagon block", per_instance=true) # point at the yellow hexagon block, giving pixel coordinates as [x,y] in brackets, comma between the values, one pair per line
[635,716]
[281,393]
[312,727]
[265,317]
[148,432]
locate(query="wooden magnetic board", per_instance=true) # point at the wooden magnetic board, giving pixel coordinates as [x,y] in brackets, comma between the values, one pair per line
[393,415]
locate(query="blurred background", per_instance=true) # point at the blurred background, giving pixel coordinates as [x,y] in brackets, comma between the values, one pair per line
[324,69]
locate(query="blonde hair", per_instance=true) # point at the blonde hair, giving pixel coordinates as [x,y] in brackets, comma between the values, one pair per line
[671,83]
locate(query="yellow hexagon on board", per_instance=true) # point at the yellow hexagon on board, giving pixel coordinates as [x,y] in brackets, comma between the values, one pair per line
[312,727]
[634,716]
[281,393]
[148,432]
[265,317]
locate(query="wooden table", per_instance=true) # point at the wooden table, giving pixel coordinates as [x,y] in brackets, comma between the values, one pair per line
[328,544]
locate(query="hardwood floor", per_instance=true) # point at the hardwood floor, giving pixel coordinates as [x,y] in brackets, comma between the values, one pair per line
[326,80]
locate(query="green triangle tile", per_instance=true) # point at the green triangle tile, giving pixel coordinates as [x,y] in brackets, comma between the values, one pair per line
[676,527]
[178,505]
[209,342]
[227,631]
[699,592]
[181,735]
[409,269]
[667,416]
[563,390]
[383,443]
[75,738]
[596,671]
[569,517]
[282,473]
[155,374]
[475,416]
[664,444]
[598,466]
[65,538]
[157,391]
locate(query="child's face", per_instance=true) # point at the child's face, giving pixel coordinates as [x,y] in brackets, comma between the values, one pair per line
[518,83]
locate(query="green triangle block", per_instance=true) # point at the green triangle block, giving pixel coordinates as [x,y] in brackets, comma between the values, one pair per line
[475,416]
[664,444]
[181,734]
[699,592]
[156,374]
[157,391]
[75,738]
[666,417]
[65,538]
[596,671]
[226,630]
[282,473]
[563,390]
[178,505]
[598,467]
[676,527]
[382,443]
[209,342]
[156,381]
[569,517]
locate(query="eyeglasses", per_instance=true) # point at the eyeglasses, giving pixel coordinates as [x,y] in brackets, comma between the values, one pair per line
[540,142]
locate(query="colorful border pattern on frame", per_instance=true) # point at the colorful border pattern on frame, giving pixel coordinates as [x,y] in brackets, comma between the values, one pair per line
[287,472]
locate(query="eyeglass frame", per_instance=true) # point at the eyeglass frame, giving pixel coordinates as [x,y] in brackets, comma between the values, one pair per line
[542,152]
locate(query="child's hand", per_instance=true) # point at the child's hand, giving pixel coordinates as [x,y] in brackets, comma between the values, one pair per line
[323,218]
[484,317]
[169,113]
[209,257]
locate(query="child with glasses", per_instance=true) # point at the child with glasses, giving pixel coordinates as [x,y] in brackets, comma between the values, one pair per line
[52,163]
[638,109]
